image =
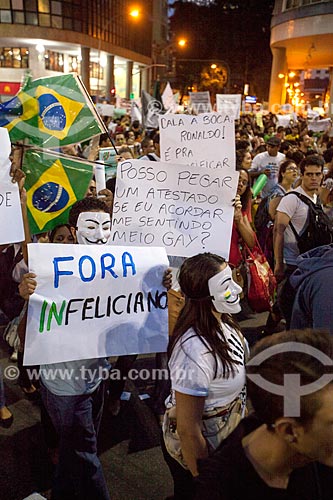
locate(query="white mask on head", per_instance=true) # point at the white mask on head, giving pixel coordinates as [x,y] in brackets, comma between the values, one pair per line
[93,228]
[225,292]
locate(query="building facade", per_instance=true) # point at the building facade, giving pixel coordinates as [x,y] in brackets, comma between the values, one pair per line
[101,40]
[301,41]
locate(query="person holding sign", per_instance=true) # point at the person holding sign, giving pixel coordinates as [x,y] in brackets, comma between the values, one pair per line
[242,231]
[73,392]
[207,355]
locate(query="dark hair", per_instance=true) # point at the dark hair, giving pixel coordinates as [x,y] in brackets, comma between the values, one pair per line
[55,229]
[283,167]
[145,142]
[111,184]
[268,406]
[313,160]
[296,156]
[86,205]
[328,155]
[156,138]
[197,313]
[103,137]
[261,149]
[125,149]
[240,144]
[247,195]
[285,145]
[240,155]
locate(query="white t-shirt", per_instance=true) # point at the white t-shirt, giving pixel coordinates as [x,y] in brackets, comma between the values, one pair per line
[192,369]
[263,161]
[298,212]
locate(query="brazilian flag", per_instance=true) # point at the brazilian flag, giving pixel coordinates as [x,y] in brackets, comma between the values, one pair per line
[53,185]
[51,112]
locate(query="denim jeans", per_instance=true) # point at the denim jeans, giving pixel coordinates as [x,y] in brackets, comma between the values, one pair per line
[2,392]
[77,419]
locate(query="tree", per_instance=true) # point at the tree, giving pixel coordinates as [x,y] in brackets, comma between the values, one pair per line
[213,78]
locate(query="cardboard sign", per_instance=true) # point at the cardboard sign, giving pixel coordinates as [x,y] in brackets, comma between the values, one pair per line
[105,109]
[206,140]
[200,102]
[229,104]
[94,301]
[188,210]
[11,222]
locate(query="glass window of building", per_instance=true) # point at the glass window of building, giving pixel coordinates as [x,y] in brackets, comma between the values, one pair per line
[54,61]
[31,5]
[96,71]
[5,16]
[44,19]
[44,6]
[74,64]
[18,17]
[17,4]
[31,18]
[14,57]
[4,4]
[56,8]
[56,22]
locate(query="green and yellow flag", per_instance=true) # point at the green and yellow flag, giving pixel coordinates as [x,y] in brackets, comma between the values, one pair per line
[53,185]
[51,112]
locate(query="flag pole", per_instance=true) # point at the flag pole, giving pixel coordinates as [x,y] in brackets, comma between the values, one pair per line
[94,110]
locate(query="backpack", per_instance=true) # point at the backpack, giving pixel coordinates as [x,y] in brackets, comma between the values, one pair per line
[262,217]
[319,230]
[10,301]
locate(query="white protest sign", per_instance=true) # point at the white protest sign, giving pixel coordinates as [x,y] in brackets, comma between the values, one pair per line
[319,125]
[94,301]
[105,109]
[229,104]
[11,223]
[188,210]
[283,120]
[168,99]
[200,102]
[206,140]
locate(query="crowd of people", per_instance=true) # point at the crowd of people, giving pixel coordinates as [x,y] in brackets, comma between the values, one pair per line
[213,450]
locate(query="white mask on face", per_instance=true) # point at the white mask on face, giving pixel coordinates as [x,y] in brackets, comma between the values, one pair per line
[225,292]
[93,228]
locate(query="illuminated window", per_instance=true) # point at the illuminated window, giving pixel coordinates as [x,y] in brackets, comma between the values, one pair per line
[54,61]
[74,64]
[44,20]
[96,71]
[17,4]
[18,17]
[44,6]
[5,16]
[56,22]
[14,57]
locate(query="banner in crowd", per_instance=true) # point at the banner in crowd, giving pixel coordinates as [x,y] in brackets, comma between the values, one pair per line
[205,140]
[105,109]
[320,125]
[200,102]
[169,100]
[95,301]
[229,104]
[51,112]
[53,185]
[185,209]
[11,224]
[283,120]
[151,109]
